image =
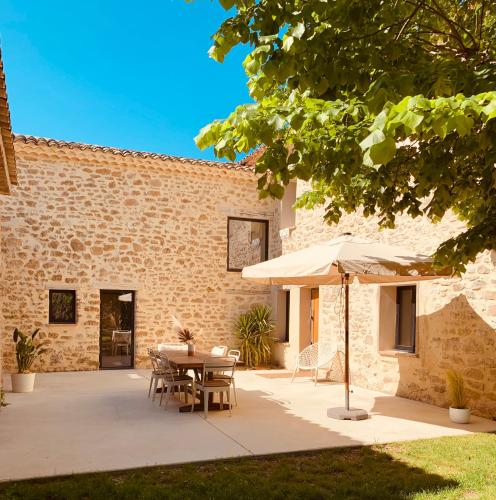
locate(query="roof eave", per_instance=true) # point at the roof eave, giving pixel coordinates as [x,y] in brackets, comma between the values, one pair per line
[8,170]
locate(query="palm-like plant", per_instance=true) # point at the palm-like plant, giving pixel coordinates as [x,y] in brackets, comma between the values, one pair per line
[456,389]
[254,332]
[27,350]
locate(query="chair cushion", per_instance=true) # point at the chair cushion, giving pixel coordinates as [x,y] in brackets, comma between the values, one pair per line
[162,372]
[214,383]
[177,378]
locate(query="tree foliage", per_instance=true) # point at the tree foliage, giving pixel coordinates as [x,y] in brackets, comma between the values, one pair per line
[384,105]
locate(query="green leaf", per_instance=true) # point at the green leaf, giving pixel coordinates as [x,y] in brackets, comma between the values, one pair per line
[411,121]
[383,152]
[277,191]
[227,4]
[463,124]
[490,110]
[375,137]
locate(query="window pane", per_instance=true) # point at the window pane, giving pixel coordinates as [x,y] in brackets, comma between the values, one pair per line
[247,243]
[405,333]
[286,326]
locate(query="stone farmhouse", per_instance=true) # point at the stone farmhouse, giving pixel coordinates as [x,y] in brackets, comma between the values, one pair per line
[100,246]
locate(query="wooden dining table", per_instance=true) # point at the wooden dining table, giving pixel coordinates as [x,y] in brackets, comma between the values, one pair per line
[182,362]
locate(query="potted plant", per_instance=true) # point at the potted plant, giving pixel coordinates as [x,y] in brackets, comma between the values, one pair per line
[458,411]
[27,350]
[254,332]
[185,335]
[3,403]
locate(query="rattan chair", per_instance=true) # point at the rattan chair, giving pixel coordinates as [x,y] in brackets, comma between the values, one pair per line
[312,358]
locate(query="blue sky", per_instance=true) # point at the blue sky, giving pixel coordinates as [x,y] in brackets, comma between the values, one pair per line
[118,73]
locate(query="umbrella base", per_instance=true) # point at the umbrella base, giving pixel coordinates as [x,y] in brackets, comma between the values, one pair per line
[344,414]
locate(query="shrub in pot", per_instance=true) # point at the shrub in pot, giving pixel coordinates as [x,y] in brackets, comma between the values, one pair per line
[27,350]
[459,413]
[254,333]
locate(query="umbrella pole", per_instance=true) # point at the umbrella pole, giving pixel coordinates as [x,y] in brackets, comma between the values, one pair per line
[347,341]
[347,413]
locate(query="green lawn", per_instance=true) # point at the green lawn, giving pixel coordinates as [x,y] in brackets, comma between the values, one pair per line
[460,467]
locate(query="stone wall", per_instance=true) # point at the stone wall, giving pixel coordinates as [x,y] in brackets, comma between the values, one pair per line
[90,220]
[456,317]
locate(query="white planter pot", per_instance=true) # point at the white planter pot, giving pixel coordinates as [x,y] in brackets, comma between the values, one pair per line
[459,415]
[23,382]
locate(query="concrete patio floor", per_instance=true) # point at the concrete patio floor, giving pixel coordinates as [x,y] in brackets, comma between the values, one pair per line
[94,421]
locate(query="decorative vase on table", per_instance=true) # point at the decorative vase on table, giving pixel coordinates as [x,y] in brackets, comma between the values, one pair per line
[184,335]
[191,349]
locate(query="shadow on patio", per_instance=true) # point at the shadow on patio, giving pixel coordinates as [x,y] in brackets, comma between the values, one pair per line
[452,337]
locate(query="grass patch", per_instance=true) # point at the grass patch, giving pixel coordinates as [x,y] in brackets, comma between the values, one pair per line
[447,468]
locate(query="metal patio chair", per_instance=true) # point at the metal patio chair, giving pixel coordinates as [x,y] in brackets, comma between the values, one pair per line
[209,384]
[172,380]
[218,350]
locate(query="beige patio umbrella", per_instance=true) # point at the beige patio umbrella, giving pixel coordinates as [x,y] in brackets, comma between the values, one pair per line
[339,262]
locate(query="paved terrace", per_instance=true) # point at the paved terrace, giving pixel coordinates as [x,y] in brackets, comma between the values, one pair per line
[93,421]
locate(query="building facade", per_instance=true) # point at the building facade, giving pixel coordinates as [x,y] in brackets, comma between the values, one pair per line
[403,339]
[99,247]
[98,240]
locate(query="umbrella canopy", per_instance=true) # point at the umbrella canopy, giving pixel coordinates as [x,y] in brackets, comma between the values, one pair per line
[338,262]
[326,263]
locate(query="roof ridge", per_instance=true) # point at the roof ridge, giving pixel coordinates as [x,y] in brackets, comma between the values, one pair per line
[45,141]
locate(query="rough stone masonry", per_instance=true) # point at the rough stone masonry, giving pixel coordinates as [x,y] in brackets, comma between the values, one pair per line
[92,218]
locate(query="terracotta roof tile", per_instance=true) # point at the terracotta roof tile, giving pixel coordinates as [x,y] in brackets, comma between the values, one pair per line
[252,158]
[29,139]
[8,173]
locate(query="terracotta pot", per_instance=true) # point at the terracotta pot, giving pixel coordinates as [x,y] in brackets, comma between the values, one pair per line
[191,349]
[23,382]
[459,415]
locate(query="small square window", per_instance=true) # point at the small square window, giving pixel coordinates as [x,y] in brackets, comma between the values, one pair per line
[247,242]
[62,306]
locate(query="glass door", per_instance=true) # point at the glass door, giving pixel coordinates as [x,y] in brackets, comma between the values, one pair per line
[116,329]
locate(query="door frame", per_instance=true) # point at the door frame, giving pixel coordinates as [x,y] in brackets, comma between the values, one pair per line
[133,320]
[314,314]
